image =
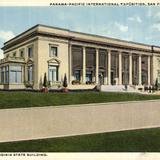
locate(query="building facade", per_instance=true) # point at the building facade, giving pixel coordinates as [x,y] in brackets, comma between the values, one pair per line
[85,59]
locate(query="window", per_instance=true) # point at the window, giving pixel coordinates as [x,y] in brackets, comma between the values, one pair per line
[15,74]
[144,77]
[53,51]
[90,57]
[14,54]
[2,75]
[158,63]
[158,76]
[102,59]
[89,76]
[52,73]
[22,53]
[6,75]
[30,52]
[77,57]
[77,75]
[30,73]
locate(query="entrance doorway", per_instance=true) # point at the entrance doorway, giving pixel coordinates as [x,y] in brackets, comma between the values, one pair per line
[89,76]
[125,77]
[101,78]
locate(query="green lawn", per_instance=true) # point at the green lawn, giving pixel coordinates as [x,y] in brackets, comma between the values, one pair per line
[146,140]
[34,99]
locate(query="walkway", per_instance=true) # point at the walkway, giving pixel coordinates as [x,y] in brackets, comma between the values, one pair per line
[45,122]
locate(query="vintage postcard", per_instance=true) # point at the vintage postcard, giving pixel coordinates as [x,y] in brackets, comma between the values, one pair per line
[79,76]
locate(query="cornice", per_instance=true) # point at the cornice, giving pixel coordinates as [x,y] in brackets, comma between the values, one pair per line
[81,40]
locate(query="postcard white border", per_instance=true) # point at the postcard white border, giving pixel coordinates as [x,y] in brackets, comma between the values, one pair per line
[75,156]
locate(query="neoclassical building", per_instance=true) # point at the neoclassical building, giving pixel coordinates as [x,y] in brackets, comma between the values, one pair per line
[85,58]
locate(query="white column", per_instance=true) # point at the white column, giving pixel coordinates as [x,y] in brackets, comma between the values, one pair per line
[140,70]
[106,77]
[120,68]
[130,69]
[4,74]
[149,71]
[84,65]
[109,67]
[97,65]
[153,70]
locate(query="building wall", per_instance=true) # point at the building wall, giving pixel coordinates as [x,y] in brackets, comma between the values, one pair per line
[17,48]
[35,67]
[89,37]
[41,51]
[41,57]
[156,67]
[44,58]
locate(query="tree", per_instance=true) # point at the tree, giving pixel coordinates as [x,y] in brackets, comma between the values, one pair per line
[65,81]
[45,80]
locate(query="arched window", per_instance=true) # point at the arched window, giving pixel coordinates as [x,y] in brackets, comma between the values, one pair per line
[30,73]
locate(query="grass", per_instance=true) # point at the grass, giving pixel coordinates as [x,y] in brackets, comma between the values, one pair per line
[31,99]
[144,140]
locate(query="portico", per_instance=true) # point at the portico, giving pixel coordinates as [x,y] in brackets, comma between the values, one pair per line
[112,67]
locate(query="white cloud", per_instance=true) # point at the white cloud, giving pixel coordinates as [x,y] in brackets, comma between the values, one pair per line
[154,14]
[121,27]
[157,15]
[104,30]
[6,35]
[135,19]
[149,13]
[156,26]
[153,37]
[129,38]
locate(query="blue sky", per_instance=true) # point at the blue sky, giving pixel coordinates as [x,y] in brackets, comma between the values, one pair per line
[139,24]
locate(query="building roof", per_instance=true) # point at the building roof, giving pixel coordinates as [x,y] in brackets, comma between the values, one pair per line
[78,35]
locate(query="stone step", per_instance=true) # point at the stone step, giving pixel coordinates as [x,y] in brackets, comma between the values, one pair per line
[117,88]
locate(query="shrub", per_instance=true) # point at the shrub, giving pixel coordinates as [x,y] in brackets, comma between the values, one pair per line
[28,84]
[65,81]
[45,80]
[75,82]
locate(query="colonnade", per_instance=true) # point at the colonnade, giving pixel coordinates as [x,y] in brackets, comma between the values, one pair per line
[108,67]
